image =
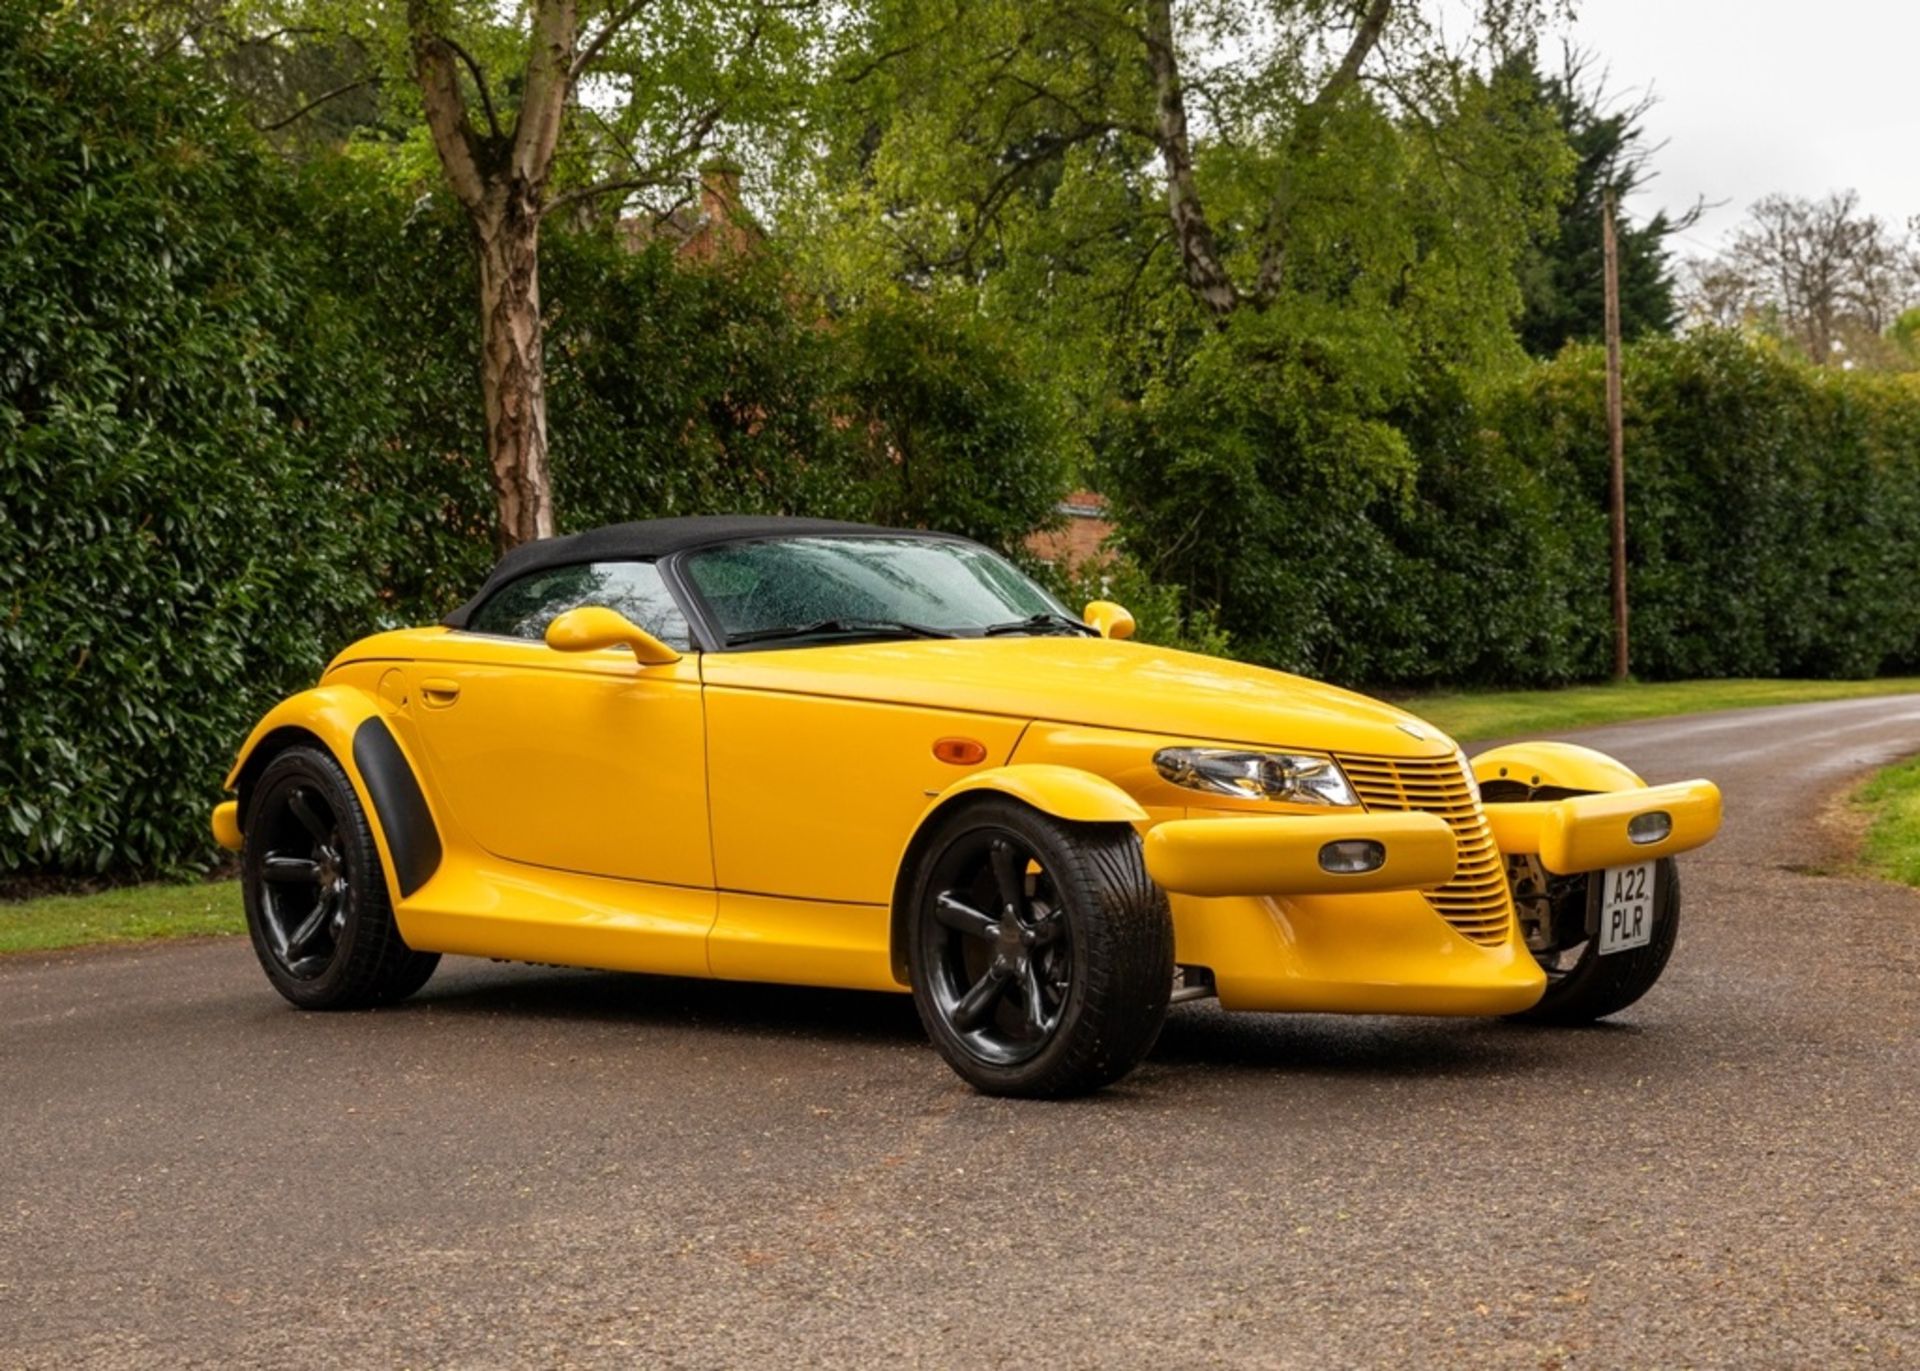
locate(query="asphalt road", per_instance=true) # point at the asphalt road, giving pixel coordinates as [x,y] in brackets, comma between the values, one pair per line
[538,1167]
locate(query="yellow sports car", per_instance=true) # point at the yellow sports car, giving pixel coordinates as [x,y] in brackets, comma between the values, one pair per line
[832,754]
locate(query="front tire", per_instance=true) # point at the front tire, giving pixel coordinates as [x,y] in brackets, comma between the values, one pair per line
[1583,986]
[1041,953]
[316,894]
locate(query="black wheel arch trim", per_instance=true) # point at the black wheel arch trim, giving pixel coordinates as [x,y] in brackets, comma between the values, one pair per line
[399,805]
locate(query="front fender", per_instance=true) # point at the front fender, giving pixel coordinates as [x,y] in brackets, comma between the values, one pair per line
[1554,766]
[349,724]
[1065,792]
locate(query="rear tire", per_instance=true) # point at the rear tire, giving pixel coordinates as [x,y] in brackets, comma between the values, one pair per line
[1041,953]
[316,893]
[1591,986]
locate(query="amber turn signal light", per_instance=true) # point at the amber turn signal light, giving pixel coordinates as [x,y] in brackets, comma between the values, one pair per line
[960,751]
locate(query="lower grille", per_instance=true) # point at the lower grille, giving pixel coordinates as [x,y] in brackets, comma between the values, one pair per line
[1476,901]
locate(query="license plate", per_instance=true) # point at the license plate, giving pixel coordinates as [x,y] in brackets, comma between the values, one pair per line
[1626,907]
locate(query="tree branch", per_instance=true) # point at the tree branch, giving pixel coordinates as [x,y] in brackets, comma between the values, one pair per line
[446,108]
[543,98]
[594,192]
[596,44]
[879,60]
[1087,124]
[318,101]
[480,84]
[1305,138]
[1199,255]
[1364,39]
[661,173]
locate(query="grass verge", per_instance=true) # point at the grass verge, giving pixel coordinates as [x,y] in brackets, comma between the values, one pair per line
[1505,713]
[134,913]
[1891,803]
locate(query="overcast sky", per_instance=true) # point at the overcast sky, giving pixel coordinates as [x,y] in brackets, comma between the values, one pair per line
[1767,96]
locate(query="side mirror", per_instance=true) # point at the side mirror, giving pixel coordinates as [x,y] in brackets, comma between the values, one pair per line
[1109,618]
[593,627]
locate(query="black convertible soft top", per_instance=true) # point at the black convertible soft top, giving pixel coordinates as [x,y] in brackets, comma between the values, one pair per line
[646,539]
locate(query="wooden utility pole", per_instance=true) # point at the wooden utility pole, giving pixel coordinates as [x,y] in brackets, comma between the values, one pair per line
[1616,443]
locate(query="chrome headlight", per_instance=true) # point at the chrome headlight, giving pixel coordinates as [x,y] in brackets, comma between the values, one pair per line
[1256,775]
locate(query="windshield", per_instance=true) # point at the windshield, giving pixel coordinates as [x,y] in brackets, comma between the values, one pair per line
[866,587]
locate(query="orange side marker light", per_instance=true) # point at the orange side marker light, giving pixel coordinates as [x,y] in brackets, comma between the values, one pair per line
[960,751]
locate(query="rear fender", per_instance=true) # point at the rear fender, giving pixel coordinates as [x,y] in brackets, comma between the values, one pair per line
[349,724]
[1064,792]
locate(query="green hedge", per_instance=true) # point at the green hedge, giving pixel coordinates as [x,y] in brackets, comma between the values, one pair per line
[169,539]
[1773,509]
[240,427]
[1773,520]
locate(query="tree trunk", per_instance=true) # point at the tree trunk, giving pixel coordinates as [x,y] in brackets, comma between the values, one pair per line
[512,375]
[1199,256]
[501,178]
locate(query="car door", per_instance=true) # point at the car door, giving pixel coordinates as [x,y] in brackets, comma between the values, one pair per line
[583,762]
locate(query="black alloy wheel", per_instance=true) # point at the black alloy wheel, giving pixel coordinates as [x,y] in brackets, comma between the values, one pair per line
[1041,954]
[1582,985]
[1000,974]
[305,887]
[315,891]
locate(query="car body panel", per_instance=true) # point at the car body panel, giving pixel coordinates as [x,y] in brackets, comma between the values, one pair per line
[1280,855]
[803,942]
[481,906]
[814,797]
[1384,953]
[1097,682]
[579,762]
[226,826]
[328,716]
[1082,797]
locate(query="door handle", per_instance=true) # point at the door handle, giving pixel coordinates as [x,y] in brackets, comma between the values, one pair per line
[438,692]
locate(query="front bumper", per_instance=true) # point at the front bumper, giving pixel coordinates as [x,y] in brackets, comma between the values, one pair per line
[1589,832]
[1251,902]
[1281,854]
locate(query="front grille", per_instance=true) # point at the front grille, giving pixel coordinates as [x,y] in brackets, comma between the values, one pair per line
[1476,900]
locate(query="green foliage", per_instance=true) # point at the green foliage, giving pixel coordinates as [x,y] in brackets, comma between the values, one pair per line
[1773,509]
[169,549]
[1561,274]
[1460,535]
[1160,611]
[239,429]
[684,390]
[944,433]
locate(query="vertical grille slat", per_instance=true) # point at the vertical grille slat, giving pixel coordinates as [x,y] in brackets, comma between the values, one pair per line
[1476,901]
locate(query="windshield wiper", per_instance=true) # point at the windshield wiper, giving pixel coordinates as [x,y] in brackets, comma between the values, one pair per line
[820,628]
[1044,622]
